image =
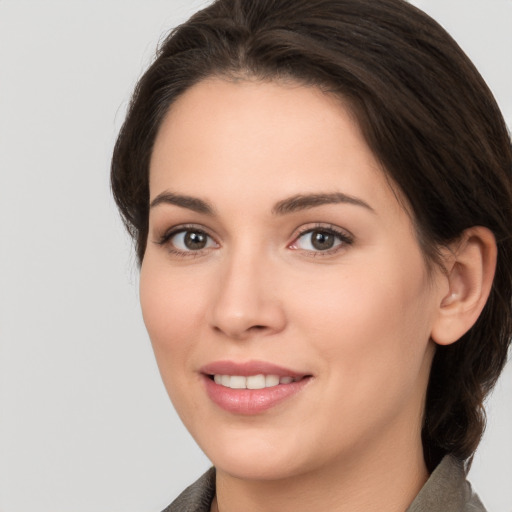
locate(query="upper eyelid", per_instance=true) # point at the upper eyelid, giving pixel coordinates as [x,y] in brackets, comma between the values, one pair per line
[180,228]
[323,227]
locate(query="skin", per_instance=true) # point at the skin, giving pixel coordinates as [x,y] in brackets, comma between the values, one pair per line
[358,317]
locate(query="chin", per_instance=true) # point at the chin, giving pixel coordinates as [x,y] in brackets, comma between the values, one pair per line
[259,467]
[249,454]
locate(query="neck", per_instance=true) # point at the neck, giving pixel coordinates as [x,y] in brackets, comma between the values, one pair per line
[385,480]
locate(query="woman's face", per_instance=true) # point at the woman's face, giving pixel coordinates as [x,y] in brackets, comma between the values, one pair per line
[280,260]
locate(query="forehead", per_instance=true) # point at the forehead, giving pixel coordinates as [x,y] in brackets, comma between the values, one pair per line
[263,139]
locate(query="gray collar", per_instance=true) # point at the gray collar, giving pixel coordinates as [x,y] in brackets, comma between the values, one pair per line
[447,490]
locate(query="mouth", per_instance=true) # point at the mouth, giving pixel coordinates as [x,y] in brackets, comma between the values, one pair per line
[253,387]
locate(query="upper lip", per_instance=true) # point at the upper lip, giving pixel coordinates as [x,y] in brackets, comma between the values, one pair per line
[248,368]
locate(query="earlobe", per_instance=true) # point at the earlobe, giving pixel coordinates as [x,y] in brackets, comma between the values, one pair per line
[470,266]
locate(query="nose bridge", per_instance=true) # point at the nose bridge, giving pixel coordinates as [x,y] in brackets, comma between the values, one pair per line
[245,301]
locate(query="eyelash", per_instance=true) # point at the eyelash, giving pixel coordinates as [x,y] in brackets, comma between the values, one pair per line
[344,237]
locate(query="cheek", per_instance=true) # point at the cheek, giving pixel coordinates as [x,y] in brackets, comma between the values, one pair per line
[172,308]
[371,326]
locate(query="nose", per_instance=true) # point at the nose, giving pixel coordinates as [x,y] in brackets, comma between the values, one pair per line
[247,301]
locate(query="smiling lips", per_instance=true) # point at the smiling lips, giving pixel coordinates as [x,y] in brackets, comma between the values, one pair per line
[250,388]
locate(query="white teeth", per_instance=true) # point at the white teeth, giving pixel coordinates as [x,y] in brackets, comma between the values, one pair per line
[271,380]
[251,382]
[256,382]
[237,382]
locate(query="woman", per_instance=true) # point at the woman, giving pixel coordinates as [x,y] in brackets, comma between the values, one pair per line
[321,199]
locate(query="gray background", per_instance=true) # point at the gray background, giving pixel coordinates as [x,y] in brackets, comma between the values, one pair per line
[85,424]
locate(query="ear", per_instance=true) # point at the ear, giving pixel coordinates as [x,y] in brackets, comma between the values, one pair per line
[470,264]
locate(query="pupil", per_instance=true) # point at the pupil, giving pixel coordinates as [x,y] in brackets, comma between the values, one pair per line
[195,240]
[322,240]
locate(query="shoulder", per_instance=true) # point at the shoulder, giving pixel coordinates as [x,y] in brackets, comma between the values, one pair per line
[197,497]
[447,490]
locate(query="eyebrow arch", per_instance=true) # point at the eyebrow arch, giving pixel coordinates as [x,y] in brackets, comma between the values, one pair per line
[191,203]
[306,201]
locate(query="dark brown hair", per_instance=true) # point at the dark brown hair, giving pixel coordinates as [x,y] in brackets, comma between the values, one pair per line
[425,112]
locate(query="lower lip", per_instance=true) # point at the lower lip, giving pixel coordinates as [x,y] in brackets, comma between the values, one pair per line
[251,401]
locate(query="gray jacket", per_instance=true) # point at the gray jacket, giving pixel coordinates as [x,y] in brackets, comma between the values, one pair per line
[447,490]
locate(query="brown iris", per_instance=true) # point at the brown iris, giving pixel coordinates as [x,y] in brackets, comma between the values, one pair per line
[195,240]
[322,240]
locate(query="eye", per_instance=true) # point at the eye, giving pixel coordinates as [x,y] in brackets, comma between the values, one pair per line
[187,240]
[321,240]
[191,240]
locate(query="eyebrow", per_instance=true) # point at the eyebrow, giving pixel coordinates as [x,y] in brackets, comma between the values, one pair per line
[289,205]
[306,201]
[191,203]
